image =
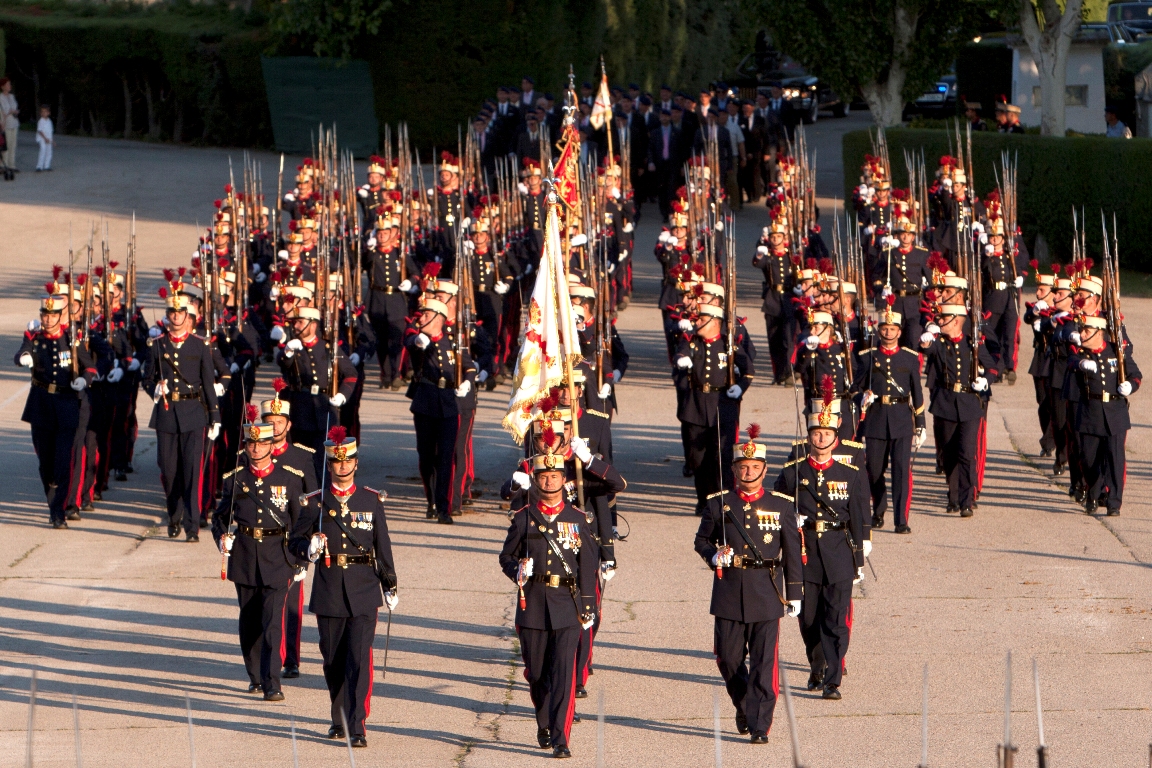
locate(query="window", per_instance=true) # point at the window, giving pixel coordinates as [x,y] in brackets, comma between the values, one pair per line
[1074,96]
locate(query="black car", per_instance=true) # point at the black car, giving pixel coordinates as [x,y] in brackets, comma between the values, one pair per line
[939,101]
[758,72]
[1135,17]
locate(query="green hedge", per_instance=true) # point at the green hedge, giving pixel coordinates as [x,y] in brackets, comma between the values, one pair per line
[1055,174]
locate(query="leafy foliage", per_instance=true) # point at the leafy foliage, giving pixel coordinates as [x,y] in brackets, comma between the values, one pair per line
[329,27]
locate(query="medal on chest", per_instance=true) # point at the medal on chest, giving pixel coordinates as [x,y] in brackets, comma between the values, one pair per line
[279,496]
[837,490]
[767,522]
[568,536]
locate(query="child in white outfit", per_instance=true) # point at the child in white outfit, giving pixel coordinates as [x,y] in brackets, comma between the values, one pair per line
[44,139]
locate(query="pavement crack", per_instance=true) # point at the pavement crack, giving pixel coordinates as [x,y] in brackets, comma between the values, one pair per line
[24,556]
[492,726]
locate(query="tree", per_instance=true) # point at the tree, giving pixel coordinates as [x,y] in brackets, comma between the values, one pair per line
[328,27]
[1049,33]
[888,51]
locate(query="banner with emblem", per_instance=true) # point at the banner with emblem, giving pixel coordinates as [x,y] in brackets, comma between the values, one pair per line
[550,322]
[602,107]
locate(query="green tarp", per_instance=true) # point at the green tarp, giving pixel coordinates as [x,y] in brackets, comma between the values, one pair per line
[305,93]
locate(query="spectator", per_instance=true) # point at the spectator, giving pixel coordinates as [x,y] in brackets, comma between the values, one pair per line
[10,117]
[972,111]
[44,134]
[1116,129]
[738,158]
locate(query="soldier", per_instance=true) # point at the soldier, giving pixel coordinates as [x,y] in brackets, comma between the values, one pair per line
[1002,281]
[893,418]
[1057,327]
[535,211]
[547,555]
[752,590]
[307,367]
[301,201]
[180,375]
[907,270]
[437,364]
[958,389]
[1041,367]
[824,355]
[263,499]
[392,277]
[831,503]
[1104,379]
[710,409]
[357,577]
[57,407]
[373,194]
[772,256]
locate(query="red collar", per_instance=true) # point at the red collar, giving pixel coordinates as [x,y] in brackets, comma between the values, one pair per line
[345,493]
[826,344]
[312,343]
[261,473]
[890,352]
[549,511]
[281,450]
[714,338]
[59,332]
[781,253]
[956,339]
[818,465]
[905,252]
[437,337]
[751,497]
[178,339]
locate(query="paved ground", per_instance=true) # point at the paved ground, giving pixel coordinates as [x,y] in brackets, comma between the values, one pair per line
[129,622]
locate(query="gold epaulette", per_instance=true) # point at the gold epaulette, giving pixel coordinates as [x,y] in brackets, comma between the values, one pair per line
[304,447]
[795,461]
[294,471]
[714,495]
[847,464]
[865,351]
[783,495]
[232,472]
[801,441]
[382,495]
[906,349]
[852,443]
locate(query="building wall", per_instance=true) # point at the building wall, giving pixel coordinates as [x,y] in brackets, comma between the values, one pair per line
[1085,83]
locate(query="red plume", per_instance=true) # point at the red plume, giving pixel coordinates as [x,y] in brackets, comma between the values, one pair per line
[432,269]
[169,275]
[227,189]
[50,287]
[753,431]
[337,434]
[548,434]
[99,271]
[113,264]
[217,203]
[279,385]
[827,266]
[828,388]
[698,289]
[163,293]
[1034,263]
[810,263]
[181,270]
[698,269]
[1055,268]
[796,261]
[1088,264]
[1069,270]
[251,412]
[82,278]
[891,299]
[56,270]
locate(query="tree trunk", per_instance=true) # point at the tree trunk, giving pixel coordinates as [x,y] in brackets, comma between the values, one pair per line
[61,120]
[178,127]
[127,106]
[153,126]
[1049,48]
[885,98]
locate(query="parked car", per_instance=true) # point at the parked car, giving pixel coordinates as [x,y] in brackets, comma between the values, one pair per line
[1135,17]
[939,101]
[759,71]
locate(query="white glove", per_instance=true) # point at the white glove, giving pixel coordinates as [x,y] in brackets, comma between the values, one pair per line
[1019,281]
[528,568]
[1088,365]
[226,542]
[867,547]
[933,329]
[926,339]
[761,250]
[869,229]
[277,333]
[371,242]
[154,332]
[1040,305]
[234,368]
[78,384]
[482,376]
[588,624]
[629,227]
[578,240]
[812,342]
[26,360]
[422,341]
[664,237]
[859,576]
[522,187]
[501,287]
[611,267]
[405,286]
[315,546]
[213,432]
[605,391]
[354,358]
[719,226]
[886,292]
[522,480]
[608,569]
[1036,326]
[977,226]
[33,326]
[362,192]
[219,389]
[292,347]
[299,574]
[800,520]
[793,609]
[684,362]
[1075,337]
[869,398]
[1062,315]
[623,255]
[1124,388]
[282,254]
[274,292]
[735,391]
[617,375]
[261,277]
[980,384]
[581,451]
[161,390]
[391,599]
[337,400]
[921,436]
[983,240]
[685,325]
[134,364]
[115,375]
[722,558]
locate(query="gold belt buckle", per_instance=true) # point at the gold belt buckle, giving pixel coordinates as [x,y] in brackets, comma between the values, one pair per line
[554,581]
[1106,397]
[737,561]
[258,534]
[342,561]
[52,388]
[1000,285]
[175,397]
[389,289]
[821,526]
[957,387]
[314,389]
[441,383]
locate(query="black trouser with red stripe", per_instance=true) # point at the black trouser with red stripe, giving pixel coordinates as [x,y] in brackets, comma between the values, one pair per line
[550,669]
[346,645]
[1104,467]
[464,473]
[262,633]
[824,616]
[436,449]
[181,457]
[894,453]
[293,623]
[1042,385]
[752,686]
[959,447]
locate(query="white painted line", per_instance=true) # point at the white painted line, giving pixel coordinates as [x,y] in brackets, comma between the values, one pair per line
[14,395]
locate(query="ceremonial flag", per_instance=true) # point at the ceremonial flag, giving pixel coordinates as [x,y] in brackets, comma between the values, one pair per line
[602,107]
[565,182]
[551,327]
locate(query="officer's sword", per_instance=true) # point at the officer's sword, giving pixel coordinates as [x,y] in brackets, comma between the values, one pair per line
[387,641]
[226,553]
[723,517]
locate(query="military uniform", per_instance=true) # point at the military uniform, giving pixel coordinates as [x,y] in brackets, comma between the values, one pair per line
[827,359]
[299,457]
[309,376]
[999,302]
[910,273]
[265,505]
[779,321]
[749,596]
[388,307]
[1040,370]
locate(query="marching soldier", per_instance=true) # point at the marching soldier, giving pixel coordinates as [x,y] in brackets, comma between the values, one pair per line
[180,374]
[1104,379]
[57,407]
[346,525]
[437,364]
[392,277]
[263,500]
[546,554]
[825,356]
[751,590]
[831,501]
[958,390]
[1041,368]
[1057,328]
[373,194]
[772,256]
[1002,280]
[907,272]
[893,418]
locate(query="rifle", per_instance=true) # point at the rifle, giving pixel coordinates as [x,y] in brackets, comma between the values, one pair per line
[105,286]
[74,332]
[86,308]
[130,276]
[1006,751]
[1111,275]
[279,205]
[1042,749]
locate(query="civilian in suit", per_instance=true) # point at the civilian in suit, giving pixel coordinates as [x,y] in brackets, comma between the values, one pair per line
[528,140]
[752,125]
[664,160]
